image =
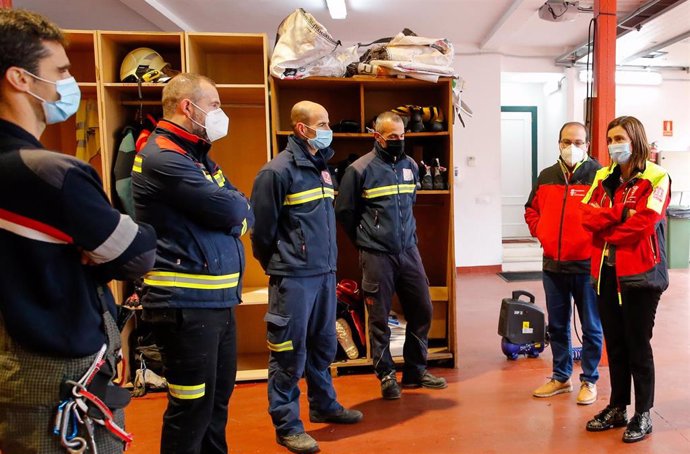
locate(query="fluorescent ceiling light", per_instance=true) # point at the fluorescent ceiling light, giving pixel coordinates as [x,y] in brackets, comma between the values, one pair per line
[628,77]
[337,9]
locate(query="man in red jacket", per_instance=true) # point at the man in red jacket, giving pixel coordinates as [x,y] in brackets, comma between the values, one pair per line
[553,214]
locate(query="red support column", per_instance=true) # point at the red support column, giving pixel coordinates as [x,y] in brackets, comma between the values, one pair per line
[604,93]
[5,3]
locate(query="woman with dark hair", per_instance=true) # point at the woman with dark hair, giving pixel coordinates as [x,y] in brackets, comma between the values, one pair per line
[625,209]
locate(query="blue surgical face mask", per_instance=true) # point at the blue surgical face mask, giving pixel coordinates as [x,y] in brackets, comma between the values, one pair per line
[66,106]
[323,138]
[620,152]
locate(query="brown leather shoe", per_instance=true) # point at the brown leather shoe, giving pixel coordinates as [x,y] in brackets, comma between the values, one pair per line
[301,443]
[587,394]
[553,387]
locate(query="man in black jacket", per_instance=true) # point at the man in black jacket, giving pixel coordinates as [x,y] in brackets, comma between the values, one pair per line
[294,240]
[374,204]
[61,243]
[190,295]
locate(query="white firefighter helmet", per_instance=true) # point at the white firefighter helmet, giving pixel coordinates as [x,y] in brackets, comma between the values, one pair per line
[144,63]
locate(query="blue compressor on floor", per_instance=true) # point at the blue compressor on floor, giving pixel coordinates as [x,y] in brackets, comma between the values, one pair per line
[522,326]
[523,329]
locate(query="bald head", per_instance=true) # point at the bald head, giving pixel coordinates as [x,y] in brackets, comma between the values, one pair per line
[307,119]
[305,112]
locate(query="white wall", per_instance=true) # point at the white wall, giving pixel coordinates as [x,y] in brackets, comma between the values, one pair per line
[478,188]
[654,104]
[478,240]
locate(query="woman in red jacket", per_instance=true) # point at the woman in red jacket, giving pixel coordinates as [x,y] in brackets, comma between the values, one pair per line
[625,209]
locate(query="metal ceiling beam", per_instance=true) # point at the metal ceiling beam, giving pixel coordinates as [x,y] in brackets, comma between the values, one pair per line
[500,23]
[663,45]
[633,21]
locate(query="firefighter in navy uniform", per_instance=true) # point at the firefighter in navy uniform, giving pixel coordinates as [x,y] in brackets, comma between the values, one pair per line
[294,240]
[374,204]
[61,243]
[190,296]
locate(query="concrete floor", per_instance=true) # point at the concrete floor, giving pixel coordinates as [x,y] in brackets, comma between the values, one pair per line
[487,407]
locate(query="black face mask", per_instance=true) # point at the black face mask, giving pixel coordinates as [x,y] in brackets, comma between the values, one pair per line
[395,148]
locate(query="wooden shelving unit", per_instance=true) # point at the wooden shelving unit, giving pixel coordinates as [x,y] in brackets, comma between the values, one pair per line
[360,100]
[237,63]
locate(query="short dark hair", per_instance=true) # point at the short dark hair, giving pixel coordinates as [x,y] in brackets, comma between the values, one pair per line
[21,39]
[573,123]
[639,146]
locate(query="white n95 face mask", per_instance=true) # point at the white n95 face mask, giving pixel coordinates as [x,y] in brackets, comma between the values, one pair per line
[216,123]
[572,155]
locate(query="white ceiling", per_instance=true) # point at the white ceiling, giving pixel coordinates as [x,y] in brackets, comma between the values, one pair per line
[511,27]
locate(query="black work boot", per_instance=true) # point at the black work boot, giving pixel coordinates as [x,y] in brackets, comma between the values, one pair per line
[344,416]
[638,428]
[427,380]
[301,443]
[608,418]
[390,389]
[427,179]
[439,173]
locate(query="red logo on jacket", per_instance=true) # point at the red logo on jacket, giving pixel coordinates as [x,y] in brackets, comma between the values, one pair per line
[659,194]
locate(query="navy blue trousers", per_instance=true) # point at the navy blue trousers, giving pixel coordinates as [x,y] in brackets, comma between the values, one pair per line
[301,339]
[382,275]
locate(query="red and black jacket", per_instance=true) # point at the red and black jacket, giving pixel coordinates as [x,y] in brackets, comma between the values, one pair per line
[636,238]
[553,214]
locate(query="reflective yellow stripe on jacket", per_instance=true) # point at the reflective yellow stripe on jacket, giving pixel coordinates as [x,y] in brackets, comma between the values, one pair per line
[184,280]
[307,196]
[220,178]
[136,167]
[393,189]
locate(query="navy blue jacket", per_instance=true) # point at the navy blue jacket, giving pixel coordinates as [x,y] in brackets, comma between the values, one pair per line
[54,216]
[199,218]
[375,202]
[295,227]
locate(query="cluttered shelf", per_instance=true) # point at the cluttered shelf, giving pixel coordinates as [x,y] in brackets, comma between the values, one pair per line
[318,81]
[366,135]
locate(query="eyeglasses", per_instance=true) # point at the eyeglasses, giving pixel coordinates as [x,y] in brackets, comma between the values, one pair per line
[577,143]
